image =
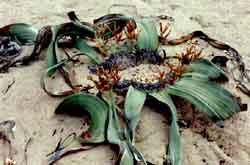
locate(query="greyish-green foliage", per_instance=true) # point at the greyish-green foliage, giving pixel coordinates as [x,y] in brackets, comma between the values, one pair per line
[116,124]
[197,84]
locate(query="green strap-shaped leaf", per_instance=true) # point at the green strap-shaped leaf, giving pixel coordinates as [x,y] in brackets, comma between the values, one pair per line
[148,36]
[174,147]
[205,69]
[210,98]
[87,50]
[81,103]
[133,104]
[24,33]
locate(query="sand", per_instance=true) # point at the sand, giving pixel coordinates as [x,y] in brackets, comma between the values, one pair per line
[32,108]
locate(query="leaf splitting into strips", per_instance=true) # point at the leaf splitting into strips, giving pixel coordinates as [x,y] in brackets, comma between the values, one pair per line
[119,136]
[203,68]
[209,98]
[136,154]
[114,134]
[174,147]
[233,53]
[100,113]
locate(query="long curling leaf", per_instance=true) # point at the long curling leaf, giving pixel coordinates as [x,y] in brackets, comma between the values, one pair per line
[97,110]
[174,147]
[210,98]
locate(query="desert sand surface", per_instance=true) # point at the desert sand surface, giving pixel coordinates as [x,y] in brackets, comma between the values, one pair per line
[33,109]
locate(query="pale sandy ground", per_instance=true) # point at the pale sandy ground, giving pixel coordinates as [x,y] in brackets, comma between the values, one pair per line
[32,108]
